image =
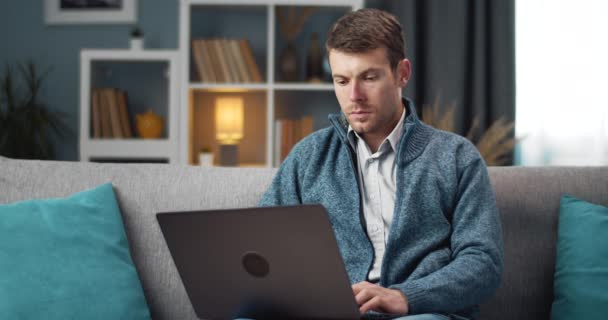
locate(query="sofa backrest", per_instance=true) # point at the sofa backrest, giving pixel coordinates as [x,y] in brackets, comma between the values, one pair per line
[528,199]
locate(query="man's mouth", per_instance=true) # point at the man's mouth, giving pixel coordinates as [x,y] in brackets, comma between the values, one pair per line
[359,115]
[359,112]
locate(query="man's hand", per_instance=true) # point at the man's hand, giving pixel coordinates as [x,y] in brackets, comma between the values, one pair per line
[370,296]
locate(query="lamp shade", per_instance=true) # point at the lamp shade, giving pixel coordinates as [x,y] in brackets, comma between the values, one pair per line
[229,119]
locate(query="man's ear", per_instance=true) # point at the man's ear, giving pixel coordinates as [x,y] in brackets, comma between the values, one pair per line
[404,72]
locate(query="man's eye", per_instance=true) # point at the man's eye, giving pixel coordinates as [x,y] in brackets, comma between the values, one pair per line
[340,81]
[370,78]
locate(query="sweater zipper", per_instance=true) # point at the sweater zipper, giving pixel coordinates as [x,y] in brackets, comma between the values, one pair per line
[354,164]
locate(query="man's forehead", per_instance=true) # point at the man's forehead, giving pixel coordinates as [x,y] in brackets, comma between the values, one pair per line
[345,63]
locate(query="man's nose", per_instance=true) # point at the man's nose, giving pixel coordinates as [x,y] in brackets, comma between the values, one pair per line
[356,92]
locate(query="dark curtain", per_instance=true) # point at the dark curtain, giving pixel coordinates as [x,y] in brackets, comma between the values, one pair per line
[463,54]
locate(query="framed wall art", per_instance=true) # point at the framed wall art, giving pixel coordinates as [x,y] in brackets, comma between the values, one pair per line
[90,11]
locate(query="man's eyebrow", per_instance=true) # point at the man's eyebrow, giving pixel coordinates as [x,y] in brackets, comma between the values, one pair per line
[368,70]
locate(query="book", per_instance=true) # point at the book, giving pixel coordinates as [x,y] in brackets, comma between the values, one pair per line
[125,124]
[207,62]
[254,71]
[104,111]
[221,60]
[213,60]
[240,61]
[95,114]
[110,98]
[286,137]
[277,142]
[288,132]
[307,124]
[201,66]
[231,62]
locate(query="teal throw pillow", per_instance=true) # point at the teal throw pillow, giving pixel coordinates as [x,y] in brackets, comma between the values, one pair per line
[581,271]
[68,259]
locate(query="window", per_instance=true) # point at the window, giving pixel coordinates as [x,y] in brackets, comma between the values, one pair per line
[562,82]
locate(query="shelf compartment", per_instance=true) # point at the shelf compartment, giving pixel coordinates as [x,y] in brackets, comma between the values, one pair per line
[229,22]
[145,83]
[252,148]
[318,22]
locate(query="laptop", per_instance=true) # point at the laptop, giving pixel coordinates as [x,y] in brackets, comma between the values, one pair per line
[260,263]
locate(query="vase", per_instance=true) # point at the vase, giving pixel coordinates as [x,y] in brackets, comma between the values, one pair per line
[288,63]
[149,125]
[314,60]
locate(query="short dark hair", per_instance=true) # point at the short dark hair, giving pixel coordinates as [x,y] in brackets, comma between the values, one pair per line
[368,29]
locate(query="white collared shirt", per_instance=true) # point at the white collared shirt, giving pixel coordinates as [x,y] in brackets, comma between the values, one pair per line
[377,184]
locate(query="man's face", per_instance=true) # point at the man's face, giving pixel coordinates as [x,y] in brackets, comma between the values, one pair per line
[368,91]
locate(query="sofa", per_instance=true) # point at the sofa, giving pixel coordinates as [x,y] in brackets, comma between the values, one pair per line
[528,200]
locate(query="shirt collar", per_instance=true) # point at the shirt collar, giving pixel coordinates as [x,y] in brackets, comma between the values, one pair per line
[393,138]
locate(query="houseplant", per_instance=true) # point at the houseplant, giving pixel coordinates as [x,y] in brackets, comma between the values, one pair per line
[137,38]
[494,144]
[26,123]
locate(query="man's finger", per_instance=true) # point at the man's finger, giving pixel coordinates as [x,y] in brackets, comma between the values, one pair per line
[372,304]
[357,287]
[364,295]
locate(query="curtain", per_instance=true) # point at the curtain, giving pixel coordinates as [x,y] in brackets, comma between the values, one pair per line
[463,54]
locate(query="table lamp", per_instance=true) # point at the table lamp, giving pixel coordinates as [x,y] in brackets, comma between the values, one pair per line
[229,121]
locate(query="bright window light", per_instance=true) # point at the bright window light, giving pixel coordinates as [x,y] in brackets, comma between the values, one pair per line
[561,79]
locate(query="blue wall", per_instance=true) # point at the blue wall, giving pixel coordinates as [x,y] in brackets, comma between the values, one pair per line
[24,35]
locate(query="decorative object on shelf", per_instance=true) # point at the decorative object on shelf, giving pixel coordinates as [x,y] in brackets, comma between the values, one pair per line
[149,125]
[290,26]
[326,69]
[205,157]
[90,11]
[494,144]
[314,60]
[229,123]
[137,39]
[288,63]
[25,122]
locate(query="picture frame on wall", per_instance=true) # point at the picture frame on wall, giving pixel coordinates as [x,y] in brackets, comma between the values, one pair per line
[90,11]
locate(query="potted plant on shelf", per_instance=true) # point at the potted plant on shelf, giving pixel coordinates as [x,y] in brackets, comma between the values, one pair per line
[205,157]
[26,124]
[137,38]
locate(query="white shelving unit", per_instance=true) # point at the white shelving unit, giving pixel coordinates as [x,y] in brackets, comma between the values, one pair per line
[139,149]
[194,94]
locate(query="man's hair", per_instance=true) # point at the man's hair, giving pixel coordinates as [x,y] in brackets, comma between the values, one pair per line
[368,29]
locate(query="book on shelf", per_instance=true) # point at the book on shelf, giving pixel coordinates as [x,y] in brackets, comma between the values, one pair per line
[235,48]
[109,114]
[111,100]
[199,62]
[221,59]
[125,124]
[288,132]
[104,116]
[95,113]
[252,66]
[224,61]
[231,62]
